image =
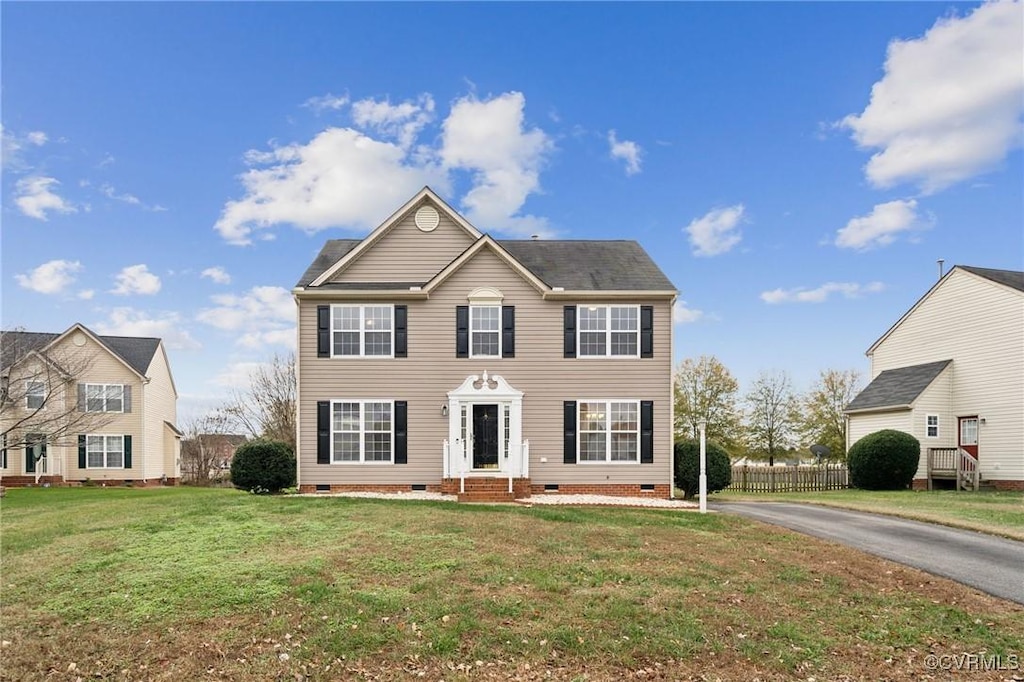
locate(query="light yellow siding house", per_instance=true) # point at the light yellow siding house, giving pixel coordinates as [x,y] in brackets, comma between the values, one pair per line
[434,357]
[951,373]
[80,407]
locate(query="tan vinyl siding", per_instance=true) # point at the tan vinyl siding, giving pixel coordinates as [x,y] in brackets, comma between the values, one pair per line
[980,326]
[863,424]
[936,400]
[160,406]
[539,370]
[406,254]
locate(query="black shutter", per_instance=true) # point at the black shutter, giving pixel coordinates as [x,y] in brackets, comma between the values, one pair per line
[462,331]
[127,452]
[81,397]
[647,432]
[126,398]
[323,432]
[30,460]
[81,452]
[647,331]
[508,331]
[569,444]
[3,453]
[401,432]
[569,331]
[401,331]
[323,331]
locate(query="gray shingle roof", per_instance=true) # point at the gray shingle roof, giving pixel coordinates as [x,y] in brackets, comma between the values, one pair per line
[136,351]
[897,387]
[1010,278]
[589,265]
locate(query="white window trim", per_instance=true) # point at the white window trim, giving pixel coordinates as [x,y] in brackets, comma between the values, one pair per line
[106,453]
[29,394]
[362,431]
[608,432]
[607,332]
[472,317]
[121,411]
[362,330]
[927,425]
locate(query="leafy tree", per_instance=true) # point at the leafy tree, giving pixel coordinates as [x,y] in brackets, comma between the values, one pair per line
[202,448]
[267,408]
[705,389]
[687,474]
[263,466]
[884,460]
[823,421]
[772,414]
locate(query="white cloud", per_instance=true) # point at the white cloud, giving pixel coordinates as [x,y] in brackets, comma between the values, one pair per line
[682,314]
[822,293]
[136,279]
[218,274]
[402,122]
[37,137]
[949,106]
[489,139]
[35,196]
[86,294]
[630,152]
[262,316]
[716,232]
[52,277]
[326,102]
[168,326]
[881,226]
[236,375]
[127,198]
[12,145]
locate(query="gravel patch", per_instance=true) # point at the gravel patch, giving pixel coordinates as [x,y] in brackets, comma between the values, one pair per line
[417,495]
[608,500]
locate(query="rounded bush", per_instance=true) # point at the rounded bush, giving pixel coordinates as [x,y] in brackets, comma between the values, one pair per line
[687,474]
[263,466]
[884,460]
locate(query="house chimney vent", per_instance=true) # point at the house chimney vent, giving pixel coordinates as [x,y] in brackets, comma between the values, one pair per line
[534,237]
[941,262]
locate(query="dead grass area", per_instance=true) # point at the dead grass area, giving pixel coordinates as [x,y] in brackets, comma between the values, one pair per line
[220,585]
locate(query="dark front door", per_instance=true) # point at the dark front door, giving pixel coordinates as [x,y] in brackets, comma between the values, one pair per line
[485,436]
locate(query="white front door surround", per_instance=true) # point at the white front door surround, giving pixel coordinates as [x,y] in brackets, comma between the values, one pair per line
[476,392]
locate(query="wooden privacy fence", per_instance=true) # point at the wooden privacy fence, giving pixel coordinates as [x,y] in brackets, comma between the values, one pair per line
[784,479]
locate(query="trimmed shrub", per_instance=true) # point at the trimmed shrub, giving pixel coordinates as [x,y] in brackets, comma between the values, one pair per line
[884,460]
[687,474]
[263,466]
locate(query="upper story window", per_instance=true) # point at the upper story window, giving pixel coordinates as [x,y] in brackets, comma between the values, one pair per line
[609,331]
[932,426]
[104,398]
[362,330]
[485,331]
[35,395]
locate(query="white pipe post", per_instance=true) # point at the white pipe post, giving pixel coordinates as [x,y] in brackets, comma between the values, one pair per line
[703,470]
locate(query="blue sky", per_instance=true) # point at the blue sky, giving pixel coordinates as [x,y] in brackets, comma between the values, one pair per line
[796,169]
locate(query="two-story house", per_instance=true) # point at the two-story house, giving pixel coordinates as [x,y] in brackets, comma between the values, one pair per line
[950,372]
[80,407]
[432,356]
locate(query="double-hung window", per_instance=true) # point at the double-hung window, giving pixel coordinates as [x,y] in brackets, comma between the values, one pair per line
[485,331]
[609,431]
[609,331]
[362,431]
[104,398]
[104,452]
[35,395]
[932,426]
[362,330]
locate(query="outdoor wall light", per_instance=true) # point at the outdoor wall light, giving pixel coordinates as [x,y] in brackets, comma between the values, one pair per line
[444,410]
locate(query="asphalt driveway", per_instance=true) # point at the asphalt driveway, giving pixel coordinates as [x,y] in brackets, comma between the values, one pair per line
[991,564]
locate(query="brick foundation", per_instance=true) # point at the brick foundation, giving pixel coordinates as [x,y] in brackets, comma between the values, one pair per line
[919,484]
[1008,486]
[30,481]
[479,489]
[367,488]
[661,490]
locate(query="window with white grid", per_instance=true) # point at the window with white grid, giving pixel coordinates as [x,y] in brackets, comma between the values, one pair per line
[609,331]
[609,431]
[104,452]
[362,330]
[362,431]
[104,398]
[485,331]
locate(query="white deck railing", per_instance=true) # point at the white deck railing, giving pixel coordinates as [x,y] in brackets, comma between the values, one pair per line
[456,463]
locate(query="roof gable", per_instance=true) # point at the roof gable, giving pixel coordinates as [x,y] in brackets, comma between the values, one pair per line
[485,242]
[136,353]
[897,388]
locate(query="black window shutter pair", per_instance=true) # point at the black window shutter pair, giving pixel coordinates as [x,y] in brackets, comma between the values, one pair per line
[646,331]
[646,432]
[323,432]
[508,331]
[127,464]
[323,331]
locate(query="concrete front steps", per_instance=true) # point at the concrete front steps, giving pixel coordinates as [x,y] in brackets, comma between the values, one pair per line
[487,489]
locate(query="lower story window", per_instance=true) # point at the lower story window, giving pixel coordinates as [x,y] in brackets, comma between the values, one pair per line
[104,452]
[362,431]
[609,431]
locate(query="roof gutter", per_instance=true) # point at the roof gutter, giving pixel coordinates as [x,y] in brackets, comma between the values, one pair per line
[880,408]
[608,294]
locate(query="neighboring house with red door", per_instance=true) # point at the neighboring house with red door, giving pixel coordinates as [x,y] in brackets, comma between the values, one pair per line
[432,356]
[951,373]
[78,406]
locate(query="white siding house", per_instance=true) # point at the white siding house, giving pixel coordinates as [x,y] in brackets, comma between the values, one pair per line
[951,373]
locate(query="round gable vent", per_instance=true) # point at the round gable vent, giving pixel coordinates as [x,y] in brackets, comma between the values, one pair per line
[427,218]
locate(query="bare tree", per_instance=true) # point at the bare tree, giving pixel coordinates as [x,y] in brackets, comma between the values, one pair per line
[706,390]
[772,414]
[267,408]
[203,448]
[823,420]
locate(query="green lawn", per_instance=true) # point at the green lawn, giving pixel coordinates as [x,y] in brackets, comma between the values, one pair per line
[999,513]
[182,583]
